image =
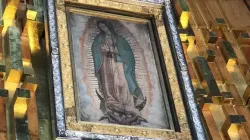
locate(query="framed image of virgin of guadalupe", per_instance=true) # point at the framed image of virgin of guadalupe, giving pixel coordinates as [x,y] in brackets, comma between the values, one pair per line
[117,80]
[115,68]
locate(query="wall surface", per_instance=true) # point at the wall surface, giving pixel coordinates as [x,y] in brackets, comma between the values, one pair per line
[215,39]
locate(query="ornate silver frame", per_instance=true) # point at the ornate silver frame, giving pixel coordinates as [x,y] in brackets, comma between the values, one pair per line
[195,123]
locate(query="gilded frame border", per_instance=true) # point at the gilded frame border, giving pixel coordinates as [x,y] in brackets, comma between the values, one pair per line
[59,88]
[157,50]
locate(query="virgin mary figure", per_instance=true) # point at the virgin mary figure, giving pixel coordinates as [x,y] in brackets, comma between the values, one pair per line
[114,62]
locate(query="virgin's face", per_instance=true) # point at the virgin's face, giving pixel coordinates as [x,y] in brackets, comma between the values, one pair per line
[104,28]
